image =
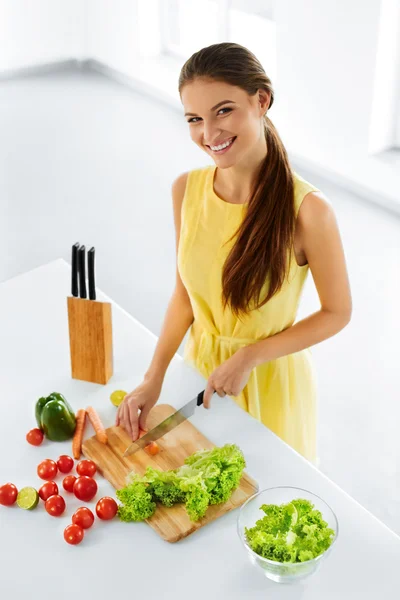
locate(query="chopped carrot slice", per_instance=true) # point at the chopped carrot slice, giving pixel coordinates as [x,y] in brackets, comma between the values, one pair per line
[152,448]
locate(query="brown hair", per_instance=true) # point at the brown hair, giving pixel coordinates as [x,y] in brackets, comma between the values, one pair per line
[266,233]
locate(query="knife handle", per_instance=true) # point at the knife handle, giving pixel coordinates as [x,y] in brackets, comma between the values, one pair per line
[82,272]
[200,398]
[91,277]
[74,270]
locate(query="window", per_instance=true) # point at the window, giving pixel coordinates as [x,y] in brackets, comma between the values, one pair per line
[188,25]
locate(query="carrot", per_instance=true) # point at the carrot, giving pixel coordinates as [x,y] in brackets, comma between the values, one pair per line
[78,435]
[152,448]
[97,425]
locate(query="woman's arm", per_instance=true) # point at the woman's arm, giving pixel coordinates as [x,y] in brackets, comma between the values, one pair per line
[321,243]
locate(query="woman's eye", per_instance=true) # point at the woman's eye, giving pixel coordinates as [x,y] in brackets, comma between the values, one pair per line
[228,109]
[192,120]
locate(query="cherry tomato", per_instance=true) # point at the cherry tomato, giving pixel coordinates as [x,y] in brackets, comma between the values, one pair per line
[35,437]
[73,534]
[65,463]
[85,488]
[47,469]
[106,508]
[86,467]
[8,494]
[68,483]
[55,505]
[48,489]
[83,517]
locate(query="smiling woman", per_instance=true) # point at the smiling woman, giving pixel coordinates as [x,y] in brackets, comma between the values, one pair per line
[249,228]
[247,242]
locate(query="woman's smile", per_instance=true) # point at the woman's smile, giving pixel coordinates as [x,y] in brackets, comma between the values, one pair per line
[225,147]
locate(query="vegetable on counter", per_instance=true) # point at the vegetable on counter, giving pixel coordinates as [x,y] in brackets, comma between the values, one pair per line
[293,532]
[106,508]
[78,436]
[85,488]
[8,494]
[47,469]
[65,463]
[83,517]
[86,467]
[207,477]
[68,483]
[55,505]
[55,417]
[73,534]
[50,488]
[35,437]
[97,424]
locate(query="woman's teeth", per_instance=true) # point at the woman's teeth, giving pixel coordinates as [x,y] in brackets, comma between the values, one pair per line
[223,147]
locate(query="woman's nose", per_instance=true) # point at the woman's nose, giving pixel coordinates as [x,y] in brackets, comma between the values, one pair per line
[210,133]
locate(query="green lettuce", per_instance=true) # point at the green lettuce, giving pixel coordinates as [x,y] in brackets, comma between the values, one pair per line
[206,477]
[293,532]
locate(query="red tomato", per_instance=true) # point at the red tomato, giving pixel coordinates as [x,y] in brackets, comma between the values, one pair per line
[48,489]
[65,463]
[106,508]
[86,467]
[83,517]
[68,483]
[47,469]
[73,534]
[55,505]
[85,488]
[35,437]
[8,494]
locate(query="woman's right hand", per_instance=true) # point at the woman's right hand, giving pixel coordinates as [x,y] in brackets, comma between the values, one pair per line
[142,399]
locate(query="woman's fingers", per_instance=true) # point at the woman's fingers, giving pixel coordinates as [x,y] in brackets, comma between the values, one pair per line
[125,419]
[133,421]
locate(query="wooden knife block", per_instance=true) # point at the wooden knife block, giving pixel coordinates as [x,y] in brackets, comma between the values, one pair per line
[90,339]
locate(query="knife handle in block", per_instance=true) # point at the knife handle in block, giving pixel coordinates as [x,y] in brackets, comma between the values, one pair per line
[90,339]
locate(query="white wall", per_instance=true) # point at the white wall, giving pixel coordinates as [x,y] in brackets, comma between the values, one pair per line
[325,106]
[41,31]
[326,60]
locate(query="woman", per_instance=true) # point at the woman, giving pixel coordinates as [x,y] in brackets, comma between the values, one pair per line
[248,229]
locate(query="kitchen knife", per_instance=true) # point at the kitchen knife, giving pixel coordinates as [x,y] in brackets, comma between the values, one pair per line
[74,270]
[167,425]
[82,272]
[92,286]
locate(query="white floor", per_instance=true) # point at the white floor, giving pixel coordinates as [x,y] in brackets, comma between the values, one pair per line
[85,159]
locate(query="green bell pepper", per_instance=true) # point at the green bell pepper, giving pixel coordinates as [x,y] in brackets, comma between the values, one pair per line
[55,417]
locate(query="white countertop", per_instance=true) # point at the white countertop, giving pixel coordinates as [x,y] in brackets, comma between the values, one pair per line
[118,558]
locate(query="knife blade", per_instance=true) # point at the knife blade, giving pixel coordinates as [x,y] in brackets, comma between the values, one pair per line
[167,425]
[82,272]
[74,270]
[91,276]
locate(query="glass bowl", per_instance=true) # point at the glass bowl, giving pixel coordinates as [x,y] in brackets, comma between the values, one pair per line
[250,512]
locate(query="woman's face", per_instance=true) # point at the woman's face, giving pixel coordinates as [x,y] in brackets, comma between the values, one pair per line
[215,122]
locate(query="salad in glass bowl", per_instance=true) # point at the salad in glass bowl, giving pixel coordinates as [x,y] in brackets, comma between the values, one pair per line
[287,532]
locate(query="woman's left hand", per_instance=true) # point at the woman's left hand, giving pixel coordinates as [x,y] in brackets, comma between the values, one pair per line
[229,378]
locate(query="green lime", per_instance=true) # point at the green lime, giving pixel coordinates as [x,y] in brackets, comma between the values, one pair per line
[292,510]
[28,498]
[117,397]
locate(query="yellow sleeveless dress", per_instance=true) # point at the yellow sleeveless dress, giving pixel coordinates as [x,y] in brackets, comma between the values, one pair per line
[280,393]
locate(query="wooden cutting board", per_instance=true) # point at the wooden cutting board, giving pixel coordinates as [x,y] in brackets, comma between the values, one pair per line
[173,523]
